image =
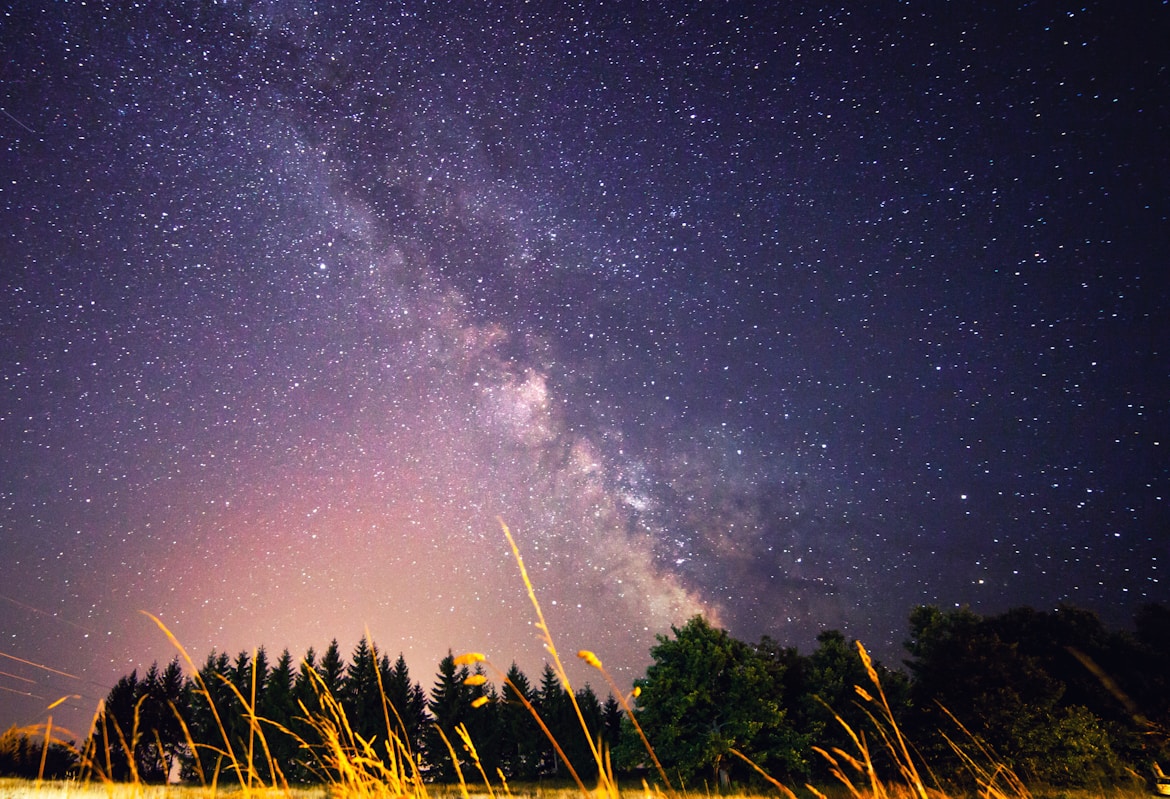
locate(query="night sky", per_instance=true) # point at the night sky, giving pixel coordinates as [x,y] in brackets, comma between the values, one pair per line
[792,315]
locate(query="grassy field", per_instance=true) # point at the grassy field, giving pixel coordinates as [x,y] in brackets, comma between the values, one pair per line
[359,770]
[27,789]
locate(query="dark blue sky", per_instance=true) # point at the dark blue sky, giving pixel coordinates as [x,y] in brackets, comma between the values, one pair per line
[797,316]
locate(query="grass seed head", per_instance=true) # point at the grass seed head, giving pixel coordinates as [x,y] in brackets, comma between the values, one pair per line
[590,658]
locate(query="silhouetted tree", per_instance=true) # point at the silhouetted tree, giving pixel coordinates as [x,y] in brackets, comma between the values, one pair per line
[552,703]
[162,702]
[449,706]
[521,740]
[332,669]
[115,730]
[278,709]
[1004,691]
[360,694]
[483,721]
[215,677]
[307,698]
[22,755]
[408,703]
[611,722]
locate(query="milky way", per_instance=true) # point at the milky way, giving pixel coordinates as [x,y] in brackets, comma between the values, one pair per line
[793,316]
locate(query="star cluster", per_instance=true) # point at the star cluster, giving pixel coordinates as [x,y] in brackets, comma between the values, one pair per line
[793,315]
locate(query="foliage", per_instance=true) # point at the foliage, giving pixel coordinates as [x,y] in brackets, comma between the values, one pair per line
[1053,697]
[23,754]
[449,706]
[1014,684]
[140,729]
[706,694]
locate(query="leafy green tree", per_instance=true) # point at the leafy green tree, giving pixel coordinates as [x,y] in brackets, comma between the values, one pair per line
[999,677]
[704,694]
[830,677]
[1147,682]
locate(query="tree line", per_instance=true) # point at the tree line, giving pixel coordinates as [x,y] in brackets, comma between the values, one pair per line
[149,723]
[1055,696]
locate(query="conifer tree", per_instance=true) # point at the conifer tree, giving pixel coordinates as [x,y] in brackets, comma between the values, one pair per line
[360,696]
[552,702]
[332,669]
[306,698]
[171,702]
[522,741]
[215,676]
[574,740]
[449,705]
[408,705]
[278,708]
[114,730]
[483,720]
[611,722]
[149,757]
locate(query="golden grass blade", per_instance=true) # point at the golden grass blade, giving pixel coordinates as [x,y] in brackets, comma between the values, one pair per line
[455,761]
[784,791]
[617,692]
[201,688]
[550,645]
[469,745]
[45,748]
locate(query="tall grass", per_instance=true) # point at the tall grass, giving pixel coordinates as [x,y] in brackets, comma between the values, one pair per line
[353,767]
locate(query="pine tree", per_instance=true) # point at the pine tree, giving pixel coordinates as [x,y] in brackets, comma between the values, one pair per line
[332,669]
[483,720]
[306,698]
[408,705]
[172,703]
[247,676]
[552,703]
[360,696]
[278,709]
[611,722]
[577,742]
[449,705]
[521,741]
[148,755]
[115,728]
[214,676]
